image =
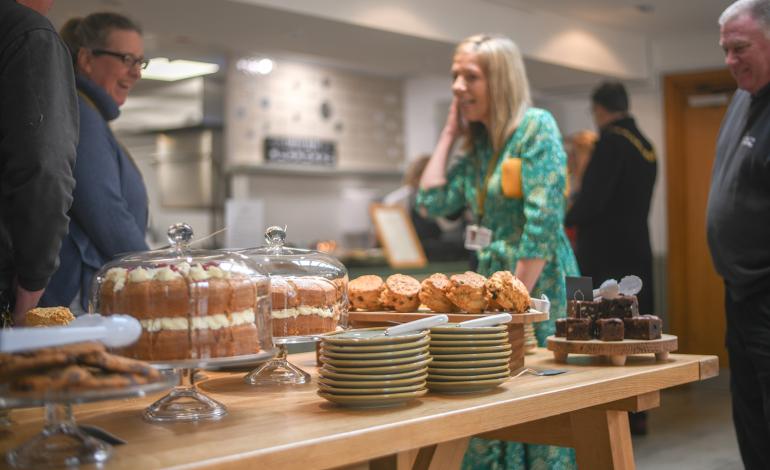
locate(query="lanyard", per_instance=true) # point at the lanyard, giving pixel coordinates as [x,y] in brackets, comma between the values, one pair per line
[481,187]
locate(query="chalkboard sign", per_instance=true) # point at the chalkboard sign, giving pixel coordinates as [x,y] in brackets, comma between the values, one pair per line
[307,151]
[397,236]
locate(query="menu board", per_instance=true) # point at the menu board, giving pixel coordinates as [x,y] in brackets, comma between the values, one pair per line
[306,151]
[397,236]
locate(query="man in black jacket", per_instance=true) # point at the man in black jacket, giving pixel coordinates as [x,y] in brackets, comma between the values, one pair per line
[611,209]
[738,223]
[38,137]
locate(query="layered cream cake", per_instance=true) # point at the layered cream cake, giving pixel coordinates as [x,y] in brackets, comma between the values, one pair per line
[186,311]
[304,305]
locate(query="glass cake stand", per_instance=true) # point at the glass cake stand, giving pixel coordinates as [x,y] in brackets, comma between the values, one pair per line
[185,402]
[279,370]
[62,443]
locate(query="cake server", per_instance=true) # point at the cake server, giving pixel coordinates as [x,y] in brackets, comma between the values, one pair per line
[421,324]
[114,331]
[490,320]
[610,289]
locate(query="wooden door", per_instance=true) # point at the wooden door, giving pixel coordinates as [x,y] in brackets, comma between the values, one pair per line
[695,104]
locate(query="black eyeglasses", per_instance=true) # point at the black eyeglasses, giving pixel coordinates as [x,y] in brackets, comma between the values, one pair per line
[128,60]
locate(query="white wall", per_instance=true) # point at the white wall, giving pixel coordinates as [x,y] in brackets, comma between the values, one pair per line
[424,100]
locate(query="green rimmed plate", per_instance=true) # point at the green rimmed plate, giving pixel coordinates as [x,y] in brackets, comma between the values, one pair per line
[468,337]
[375,355]
[370,336]
[465,387]
[395,369]
[374,362]
[411,375]
[373,383]
[442,350]
[370,391]
[466,378]
[372,401]
[438,363]
[375,348]
[469,370]
[455,330]
[461,341]
[473,357]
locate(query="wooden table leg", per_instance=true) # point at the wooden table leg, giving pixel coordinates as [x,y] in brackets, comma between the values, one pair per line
[602,439]
[516,339]
[444,456]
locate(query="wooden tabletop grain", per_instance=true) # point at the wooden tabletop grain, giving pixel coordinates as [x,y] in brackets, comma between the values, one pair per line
[292,427]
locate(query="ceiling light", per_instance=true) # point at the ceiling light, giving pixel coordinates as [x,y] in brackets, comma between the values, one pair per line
[254,66]
[160,68]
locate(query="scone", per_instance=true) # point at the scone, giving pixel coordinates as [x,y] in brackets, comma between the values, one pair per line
[364,292]
[506,292]
[433,294]
[401,293]
[467,292]
[48,316]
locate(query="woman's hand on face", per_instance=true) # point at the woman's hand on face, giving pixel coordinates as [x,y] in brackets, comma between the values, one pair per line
[454,125]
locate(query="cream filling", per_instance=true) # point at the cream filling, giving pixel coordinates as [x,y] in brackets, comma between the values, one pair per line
[208,322]
[295,312]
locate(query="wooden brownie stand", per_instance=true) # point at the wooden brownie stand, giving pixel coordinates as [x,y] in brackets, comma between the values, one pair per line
[515,327]
[615,351]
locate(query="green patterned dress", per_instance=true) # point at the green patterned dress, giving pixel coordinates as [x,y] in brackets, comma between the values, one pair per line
[528,227]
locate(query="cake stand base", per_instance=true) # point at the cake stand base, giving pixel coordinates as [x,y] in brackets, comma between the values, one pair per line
[61,444]
[185,403]
[277,371]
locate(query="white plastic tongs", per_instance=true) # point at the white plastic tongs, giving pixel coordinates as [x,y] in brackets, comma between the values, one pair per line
[416,325]
[491,320]
[114,331]
[542,304]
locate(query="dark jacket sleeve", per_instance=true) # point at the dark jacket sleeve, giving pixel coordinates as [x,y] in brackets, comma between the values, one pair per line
[99,207]
[599,182]
[38,136]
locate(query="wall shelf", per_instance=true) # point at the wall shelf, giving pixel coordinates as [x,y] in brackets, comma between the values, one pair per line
[297,170]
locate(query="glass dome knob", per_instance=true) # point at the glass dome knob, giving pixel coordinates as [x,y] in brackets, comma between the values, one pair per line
[180,234]
[275,236]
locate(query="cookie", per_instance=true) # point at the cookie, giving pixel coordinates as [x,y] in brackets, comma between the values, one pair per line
[401,293]
[45,358]
[504,291]
[467,292]
[364,292]
[112,363]
[48,316]
[433,293]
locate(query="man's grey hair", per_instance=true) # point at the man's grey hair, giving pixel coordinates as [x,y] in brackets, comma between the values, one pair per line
[757,9]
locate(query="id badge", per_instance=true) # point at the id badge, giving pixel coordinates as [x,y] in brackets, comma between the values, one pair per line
[477,237]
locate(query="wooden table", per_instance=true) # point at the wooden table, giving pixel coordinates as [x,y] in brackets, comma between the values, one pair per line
[293,428]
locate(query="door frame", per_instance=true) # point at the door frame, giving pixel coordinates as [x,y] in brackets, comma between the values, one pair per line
[677,87]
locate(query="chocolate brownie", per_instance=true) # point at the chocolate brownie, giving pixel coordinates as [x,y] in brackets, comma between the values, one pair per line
[561,327]
[643,327]
[579,329]
[619,307]
[609,329]
[584,309]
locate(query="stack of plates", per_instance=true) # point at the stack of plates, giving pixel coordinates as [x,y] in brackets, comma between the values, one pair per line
[468,359]
[364,368]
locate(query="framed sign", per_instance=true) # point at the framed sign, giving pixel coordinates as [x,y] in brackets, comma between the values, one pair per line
[397,236]
[307,151]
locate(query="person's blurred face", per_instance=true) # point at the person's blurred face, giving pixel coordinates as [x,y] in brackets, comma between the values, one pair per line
[111,72]
[469,86]
[747,52]
[40,6]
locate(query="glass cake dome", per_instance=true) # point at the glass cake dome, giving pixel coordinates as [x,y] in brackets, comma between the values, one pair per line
[193,304]
[309,291]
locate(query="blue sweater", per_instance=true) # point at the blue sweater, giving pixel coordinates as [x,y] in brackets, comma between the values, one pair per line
[109,210]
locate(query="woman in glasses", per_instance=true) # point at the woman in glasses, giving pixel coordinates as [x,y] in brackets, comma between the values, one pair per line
[109,210]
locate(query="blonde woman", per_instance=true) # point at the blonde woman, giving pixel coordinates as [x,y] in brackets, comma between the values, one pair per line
[512,178]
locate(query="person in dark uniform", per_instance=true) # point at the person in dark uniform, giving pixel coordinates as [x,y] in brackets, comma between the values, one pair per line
[611,209]
[738,223]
